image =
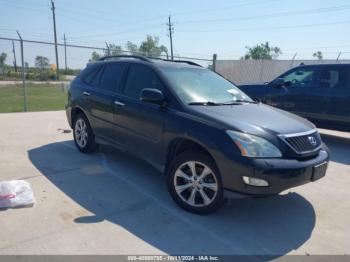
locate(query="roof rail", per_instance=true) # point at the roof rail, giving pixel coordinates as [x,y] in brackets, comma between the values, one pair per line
[176,61]
[125,56]
[148,59]
[185,61]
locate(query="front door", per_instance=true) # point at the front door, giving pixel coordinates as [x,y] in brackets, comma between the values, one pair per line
[296,94]
[140,124]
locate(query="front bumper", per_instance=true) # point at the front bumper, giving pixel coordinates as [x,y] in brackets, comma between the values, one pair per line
[281,174]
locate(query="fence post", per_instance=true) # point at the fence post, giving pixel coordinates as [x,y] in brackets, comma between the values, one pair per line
[215,56]
[108,51]
[23,74]
[338,57]
[292,64]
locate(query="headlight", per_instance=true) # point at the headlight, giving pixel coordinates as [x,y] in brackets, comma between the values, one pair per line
[254,146]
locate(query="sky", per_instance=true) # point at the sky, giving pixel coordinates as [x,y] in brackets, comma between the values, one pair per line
[201,27]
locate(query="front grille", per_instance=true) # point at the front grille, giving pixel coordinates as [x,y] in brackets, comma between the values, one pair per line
[304,143]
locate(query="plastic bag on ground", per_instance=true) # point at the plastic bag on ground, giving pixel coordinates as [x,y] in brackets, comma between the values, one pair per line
[16,193]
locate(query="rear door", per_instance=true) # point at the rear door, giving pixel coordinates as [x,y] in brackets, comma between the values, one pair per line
[297,95]
[101,95]
[331,97]
[140,123]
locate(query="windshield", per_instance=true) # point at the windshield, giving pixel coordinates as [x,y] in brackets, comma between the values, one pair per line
[194,85]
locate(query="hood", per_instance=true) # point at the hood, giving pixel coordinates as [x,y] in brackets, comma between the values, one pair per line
[255,118]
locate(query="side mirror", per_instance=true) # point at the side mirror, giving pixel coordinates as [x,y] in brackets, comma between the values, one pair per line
[278,82]
[153,96]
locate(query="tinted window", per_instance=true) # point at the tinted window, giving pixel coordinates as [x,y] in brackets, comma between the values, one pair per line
[140,77]
[88,75]
[334,78]
[301,77]
[111,76]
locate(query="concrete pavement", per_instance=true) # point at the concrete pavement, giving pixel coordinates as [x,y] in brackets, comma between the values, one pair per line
[112,203]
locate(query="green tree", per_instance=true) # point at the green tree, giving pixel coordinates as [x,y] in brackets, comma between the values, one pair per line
[95,56]
[318,55]
[262,51]
[132,48]
[150,47]
[42,62]
[3,57]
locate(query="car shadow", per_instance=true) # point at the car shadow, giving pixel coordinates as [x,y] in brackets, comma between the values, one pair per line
[126,191]
[339,147]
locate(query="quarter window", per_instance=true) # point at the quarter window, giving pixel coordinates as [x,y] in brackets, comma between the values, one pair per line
[90,73]
[335,78]
[140,77]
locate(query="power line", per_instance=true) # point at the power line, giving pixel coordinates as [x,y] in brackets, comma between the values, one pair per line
[274,15]
[267,28]
[221,8]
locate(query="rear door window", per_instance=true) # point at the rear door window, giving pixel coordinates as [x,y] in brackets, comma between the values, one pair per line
[111,76]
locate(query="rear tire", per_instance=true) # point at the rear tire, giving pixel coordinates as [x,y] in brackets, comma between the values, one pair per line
[195,184]
[84,137]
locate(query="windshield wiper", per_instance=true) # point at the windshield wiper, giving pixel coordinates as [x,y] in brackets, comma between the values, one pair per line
[208,103]
[238,102]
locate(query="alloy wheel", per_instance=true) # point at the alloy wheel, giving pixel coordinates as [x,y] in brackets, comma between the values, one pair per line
[196,184]
[81,132]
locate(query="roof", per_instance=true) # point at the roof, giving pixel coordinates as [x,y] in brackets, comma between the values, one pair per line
[323,65]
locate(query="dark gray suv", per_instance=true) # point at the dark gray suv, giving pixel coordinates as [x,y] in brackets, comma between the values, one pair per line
[199,129]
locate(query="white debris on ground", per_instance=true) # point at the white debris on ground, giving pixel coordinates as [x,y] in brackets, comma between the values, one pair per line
[16,193]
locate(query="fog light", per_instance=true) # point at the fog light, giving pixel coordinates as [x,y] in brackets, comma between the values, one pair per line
[255,181]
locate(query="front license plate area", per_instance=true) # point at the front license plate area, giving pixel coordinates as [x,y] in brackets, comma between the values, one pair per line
[319,171]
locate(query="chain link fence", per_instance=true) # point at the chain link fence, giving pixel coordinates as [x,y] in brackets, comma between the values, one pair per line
[28,76]
[31,75]
[261,71]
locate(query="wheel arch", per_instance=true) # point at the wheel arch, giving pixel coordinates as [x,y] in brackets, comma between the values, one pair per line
[180,145]
[76,111]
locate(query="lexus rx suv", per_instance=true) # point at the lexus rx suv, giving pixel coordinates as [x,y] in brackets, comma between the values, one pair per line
[200,130]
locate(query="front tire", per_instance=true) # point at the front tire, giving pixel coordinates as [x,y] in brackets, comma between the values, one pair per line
[195,184]
[84,137]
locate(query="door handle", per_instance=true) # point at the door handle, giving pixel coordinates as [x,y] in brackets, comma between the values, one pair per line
[86,93]
[118,103]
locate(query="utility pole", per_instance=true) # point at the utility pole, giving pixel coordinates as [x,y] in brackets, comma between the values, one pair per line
[23,75]
[171,31]
[65,51]
[14,55]
[54,31]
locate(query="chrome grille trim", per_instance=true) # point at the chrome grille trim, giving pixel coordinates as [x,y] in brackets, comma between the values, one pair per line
[298,143]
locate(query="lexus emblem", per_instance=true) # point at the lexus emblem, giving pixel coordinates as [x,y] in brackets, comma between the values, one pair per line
[312,140]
